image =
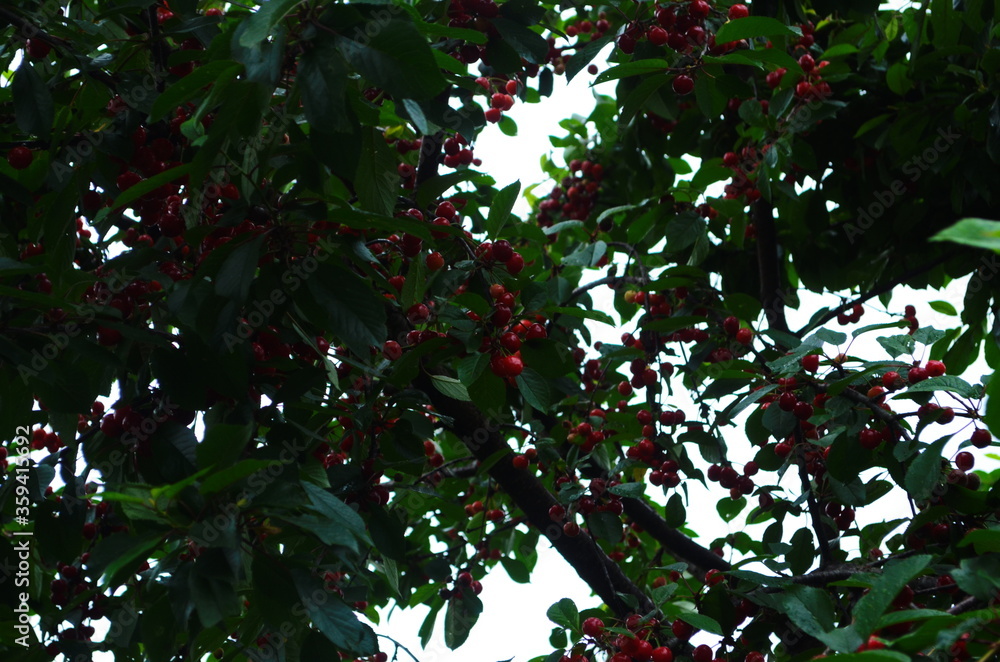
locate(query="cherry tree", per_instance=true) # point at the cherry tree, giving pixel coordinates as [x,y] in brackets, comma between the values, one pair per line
[277,353]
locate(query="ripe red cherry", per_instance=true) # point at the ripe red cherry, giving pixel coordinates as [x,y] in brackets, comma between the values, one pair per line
[935,368]
[810,362]
[434,261]
[807,63]
[658,36]
[535,332]
[127,180]
[446,209]
[702,653]
[744,336]
[418,313]
[493,115]
[870,439]
[731,325]
[682,630]
[754,656]
[699,9]
[593,626]
[965,460]
[556,513]
[981,438]
[803,411]
[892,381]
[782,450]
[391,350]
[662,654]
[917,374]
[20,157]
[510,341]
[803,88]
[502,250]
[643,650]
[624,389]
[571,529]
[683,85]
[738,11]
[37,49]
[509,366]
[787,401]
[515,264]
[520,461]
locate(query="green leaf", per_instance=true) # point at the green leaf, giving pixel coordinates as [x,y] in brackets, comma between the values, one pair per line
[376,180]
[516,569]
[925,471]
[150,184]
[534,388]
[451,387]
[582,313]
[633,69]
[322,78]
[945,383]
[979,576]
[630,490]
[461,616]
[752,27]
[331,616]
[583,56]
[565,613]
[500,208]
[895,575]
[729,509]
[943,307]
[702,622]
[236,275]
[337,513]
[189,86]
[605,526]
[977,232]
[345,305]
[396,57]
[262,21]
[34,111]
[897,345]
[529,44]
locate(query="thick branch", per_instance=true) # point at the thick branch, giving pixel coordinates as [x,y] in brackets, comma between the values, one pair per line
[672,540]
[769,266]
[482,437]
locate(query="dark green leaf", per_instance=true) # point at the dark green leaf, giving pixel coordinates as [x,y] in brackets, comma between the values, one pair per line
[534,389]
[33,107]
[925,472]
[500,208]
[565,613]
[332,617]
[752,27]
[461,616]
[878,599]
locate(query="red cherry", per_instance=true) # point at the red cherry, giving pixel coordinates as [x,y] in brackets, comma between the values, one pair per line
[803,411]
[520,462]
[20,157]
[37,49]
[965,461]
[593,626]
[624,389]
[571,529]
[662,654]
[782,450]
[682,629]
[744,336]
[556,513]
[807,63]
[127,180]
[502,250]
[391,350]
[434,261]
[418,313]
[738,11]
[731,325]
[515,264]
[870,439]
[981,438]
[892,381]
[787,401]
[810,362]
[658,36]
[702,653]
[445,209]
[935,368]
[683,85]
[510,341]
[803,88]
[493,115]
[699,9]
[917,374]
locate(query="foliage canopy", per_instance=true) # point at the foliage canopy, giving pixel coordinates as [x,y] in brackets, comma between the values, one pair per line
[275,350]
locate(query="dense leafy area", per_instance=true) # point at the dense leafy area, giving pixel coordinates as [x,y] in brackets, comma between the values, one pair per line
[275,350]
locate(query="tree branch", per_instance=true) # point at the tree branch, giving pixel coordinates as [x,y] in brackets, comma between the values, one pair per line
[769,266]
[672,540]
[593,566]
[874,292]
